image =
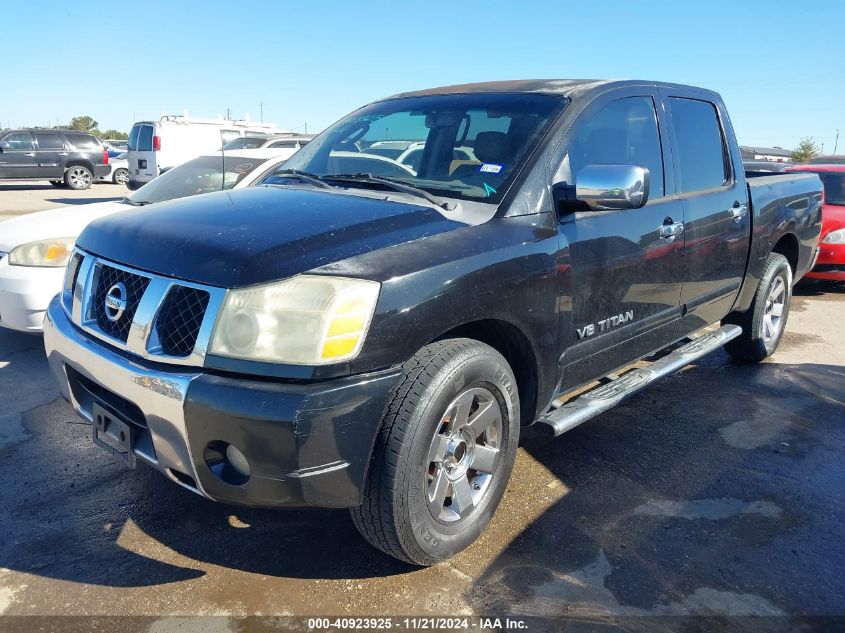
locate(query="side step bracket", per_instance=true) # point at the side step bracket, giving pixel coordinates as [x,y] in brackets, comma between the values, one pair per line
[616,389]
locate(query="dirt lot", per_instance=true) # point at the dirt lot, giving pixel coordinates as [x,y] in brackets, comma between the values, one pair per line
[720,491]
[18,197]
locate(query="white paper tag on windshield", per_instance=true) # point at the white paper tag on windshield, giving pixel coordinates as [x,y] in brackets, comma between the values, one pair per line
[490,168]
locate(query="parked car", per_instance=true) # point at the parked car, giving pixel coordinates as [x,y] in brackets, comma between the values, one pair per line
[412,156]
[156,146]
[34,248]
[280,141]
[119,166]
[830,265]
[349,340]
[763,167]
[118,144]
[64,157]
[827,160]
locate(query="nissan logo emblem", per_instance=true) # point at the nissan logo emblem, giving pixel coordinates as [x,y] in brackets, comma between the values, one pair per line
[115,302]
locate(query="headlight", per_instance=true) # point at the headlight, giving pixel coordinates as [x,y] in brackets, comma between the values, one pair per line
[304,320]
[53,253]
[835,237]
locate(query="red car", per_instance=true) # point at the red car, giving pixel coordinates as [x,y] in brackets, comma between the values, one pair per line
[831,262]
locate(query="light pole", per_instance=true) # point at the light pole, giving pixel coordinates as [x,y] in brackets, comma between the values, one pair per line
[836,142]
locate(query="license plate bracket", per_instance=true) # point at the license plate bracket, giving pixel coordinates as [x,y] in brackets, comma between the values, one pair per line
[113,434]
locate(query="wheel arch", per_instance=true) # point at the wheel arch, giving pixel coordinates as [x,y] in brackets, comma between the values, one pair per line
[789,247]
[512,343]
[80,162]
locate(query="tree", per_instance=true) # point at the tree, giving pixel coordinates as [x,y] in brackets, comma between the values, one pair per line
[114,134]
[83,123]
[806,150]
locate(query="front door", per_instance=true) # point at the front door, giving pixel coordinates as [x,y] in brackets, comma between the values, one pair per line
[17,156]
[626,270]
[717,222]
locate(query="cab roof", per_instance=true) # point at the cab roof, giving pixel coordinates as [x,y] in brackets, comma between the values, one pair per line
[571,88]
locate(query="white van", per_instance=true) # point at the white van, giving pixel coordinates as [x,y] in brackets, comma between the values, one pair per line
[156,146]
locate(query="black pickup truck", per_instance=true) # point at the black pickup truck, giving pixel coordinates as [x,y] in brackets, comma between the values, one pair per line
[367,334]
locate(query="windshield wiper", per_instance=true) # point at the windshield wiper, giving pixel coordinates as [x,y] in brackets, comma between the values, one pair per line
[134,203]
[304,176]
[394,185]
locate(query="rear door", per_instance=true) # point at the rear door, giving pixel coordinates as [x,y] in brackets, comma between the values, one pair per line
[143,166]
[51,154]
[626,275]
[715,199]
[17,156]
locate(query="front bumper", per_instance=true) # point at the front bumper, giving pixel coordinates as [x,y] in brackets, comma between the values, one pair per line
[25,293]
[307,444]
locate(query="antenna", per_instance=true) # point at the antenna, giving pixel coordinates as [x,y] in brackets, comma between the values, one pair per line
[222,162]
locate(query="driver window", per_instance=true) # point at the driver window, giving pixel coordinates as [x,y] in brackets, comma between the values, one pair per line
[19,140]
[624,132]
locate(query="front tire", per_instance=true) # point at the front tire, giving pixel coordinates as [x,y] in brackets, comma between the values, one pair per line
[763,324]
[444,453]
[78,177]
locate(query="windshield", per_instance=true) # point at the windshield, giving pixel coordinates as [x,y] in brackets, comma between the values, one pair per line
[472,145]
[245,142]
[834,189]
[200,175]
[834,186]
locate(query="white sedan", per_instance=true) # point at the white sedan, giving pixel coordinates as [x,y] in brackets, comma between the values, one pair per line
[34,248]
[119,173]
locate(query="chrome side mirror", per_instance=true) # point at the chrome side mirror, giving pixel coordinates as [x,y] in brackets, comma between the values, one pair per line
[603,187]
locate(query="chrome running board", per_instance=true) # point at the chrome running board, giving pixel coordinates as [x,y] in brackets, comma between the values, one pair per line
[615,389]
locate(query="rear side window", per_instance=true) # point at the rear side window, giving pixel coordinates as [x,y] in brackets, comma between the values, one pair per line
[141,138]
[83,141]
[49,141]
[624,132]
[18,140]
[699,145]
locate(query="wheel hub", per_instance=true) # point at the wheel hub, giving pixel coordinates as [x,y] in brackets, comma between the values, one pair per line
[463,454]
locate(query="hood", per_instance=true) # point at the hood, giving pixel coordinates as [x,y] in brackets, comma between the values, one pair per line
[256,235]
[66,221]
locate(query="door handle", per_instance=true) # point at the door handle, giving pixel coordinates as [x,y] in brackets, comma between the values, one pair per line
[32,154]
[62,153]
[739,211]
[668,231]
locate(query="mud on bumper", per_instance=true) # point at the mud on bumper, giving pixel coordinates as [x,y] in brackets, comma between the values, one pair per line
[306,444]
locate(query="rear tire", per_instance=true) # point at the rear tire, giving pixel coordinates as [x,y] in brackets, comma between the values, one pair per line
[78,177]
[763,324]
[120,176]
[444,453]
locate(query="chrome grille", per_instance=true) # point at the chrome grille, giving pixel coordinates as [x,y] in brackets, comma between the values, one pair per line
[107,279]
[164,319]
[179,319]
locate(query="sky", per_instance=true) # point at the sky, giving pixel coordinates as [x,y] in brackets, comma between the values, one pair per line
[778,64]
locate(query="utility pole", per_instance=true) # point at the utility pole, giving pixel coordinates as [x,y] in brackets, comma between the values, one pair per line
[836,143]
[306,127]
[261,108]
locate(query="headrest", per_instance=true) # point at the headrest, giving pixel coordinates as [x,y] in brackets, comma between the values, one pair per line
[492,147]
